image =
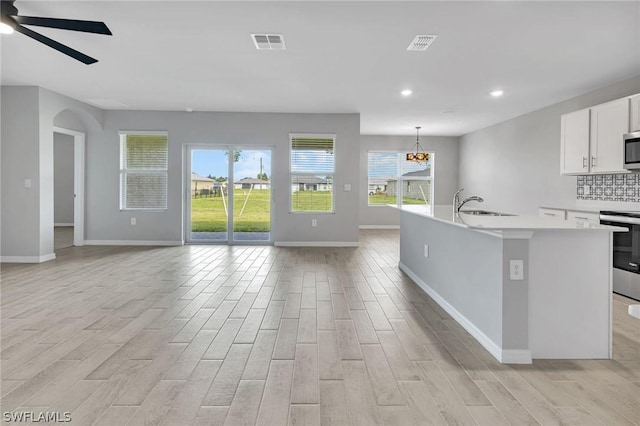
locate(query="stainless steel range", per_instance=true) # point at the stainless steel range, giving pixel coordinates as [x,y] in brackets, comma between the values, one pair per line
[626,252]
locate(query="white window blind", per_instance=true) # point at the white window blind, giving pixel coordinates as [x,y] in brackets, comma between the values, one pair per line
[312,173]
[392,179]
[144,162]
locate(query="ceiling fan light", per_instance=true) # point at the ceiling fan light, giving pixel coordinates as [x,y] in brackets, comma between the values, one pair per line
[5,29]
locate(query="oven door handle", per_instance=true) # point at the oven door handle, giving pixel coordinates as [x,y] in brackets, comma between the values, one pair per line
[620,219]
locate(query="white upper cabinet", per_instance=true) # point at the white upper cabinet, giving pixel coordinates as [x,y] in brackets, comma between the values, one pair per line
[591,139]
[574,139]
[608,123]
[635,114]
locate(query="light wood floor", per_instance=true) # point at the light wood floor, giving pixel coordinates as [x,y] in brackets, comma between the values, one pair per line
[208,335]
[62,237]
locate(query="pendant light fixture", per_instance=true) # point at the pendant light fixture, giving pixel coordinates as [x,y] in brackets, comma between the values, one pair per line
[419,156]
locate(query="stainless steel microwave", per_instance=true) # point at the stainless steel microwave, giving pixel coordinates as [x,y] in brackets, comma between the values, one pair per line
[632,151]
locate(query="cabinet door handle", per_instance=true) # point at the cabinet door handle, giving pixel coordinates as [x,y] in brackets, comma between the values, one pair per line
[549,214]
[593,161]
[584,162]
[580,217]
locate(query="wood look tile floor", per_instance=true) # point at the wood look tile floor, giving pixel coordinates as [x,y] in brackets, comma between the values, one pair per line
[62,237]
[208,335]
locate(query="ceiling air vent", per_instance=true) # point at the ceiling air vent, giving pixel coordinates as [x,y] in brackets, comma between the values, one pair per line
[268,41]
[421,42]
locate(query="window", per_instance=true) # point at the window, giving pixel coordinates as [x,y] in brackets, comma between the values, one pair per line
[312,170]
[394,180]
[143,171]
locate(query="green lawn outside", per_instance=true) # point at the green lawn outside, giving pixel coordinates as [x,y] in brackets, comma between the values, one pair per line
[391,199]
[312,201]
[208,215]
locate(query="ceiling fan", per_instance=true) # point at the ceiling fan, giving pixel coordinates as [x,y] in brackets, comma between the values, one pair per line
[9,16]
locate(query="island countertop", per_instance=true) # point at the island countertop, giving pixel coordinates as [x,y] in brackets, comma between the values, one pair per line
[512,281]
[444,213]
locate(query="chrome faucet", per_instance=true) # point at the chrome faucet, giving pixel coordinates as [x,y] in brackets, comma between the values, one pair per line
[457,204]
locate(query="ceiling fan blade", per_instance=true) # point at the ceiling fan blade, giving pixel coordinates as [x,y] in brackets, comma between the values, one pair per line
[55,45]
[65,24]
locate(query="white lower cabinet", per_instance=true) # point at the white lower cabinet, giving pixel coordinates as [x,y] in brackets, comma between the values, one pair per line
[555,213]
[576,215]
[583,217]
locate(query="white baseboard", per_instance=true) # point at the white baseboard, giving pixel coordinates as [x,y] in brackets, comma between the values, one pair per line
[512,356]
[131,243]
[63,224]
[379,227]
[27,259]
[316,244]
[516,356]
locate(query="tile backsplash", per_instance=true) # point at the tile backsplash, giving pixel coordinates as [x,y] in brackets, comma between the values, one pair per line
[621,187]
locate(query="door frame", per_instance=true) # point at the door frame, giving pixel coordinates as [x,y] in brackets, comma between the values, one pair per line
[78,182]
[188,149]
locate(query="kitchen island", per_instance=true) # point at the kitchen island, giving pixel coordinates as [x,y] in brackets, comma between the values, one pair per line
[524,286]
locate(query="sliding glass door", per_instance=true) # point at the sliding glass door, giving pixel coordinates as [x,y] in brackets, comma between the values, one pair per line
[229,195]
[252,195]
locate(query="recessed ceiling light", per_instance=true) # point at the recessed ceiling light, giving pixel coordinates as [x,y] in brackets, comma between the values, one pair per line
[406,92]
[5,29]
[497,93]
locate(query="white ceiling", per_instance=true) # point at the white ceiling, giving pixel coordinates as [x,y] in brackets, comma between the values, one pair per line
[340,57]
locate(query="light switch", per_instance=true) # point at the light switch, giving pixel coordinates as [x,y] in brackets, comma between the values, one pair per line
[347,187]
[27,183]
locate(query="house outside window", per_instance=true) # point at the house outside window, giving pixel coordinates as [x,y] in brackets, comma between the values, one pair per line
[393,180]
[144,160]
[312,168]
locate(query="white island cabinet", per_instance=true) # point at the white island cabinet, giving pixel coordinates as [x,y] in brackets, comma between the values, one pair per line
[525,287]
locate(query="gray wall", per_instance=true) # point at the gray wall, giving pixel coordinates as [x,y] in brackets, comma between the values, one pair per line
[20,160]
[30,113]
[52,105]
[445,168]
[28,116]
[62,178]
[515,165]
[105,221]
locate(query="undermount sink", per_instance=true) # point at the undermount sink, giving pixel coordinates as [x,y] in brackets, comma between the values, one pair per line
[484,213]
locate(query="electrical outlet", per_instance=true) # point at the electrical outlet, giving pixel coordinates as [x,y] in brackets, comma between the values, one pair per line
[587,190]
[314,223]
[516,270]
[426,251]
[133,220]
[347,187]
[27,183]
